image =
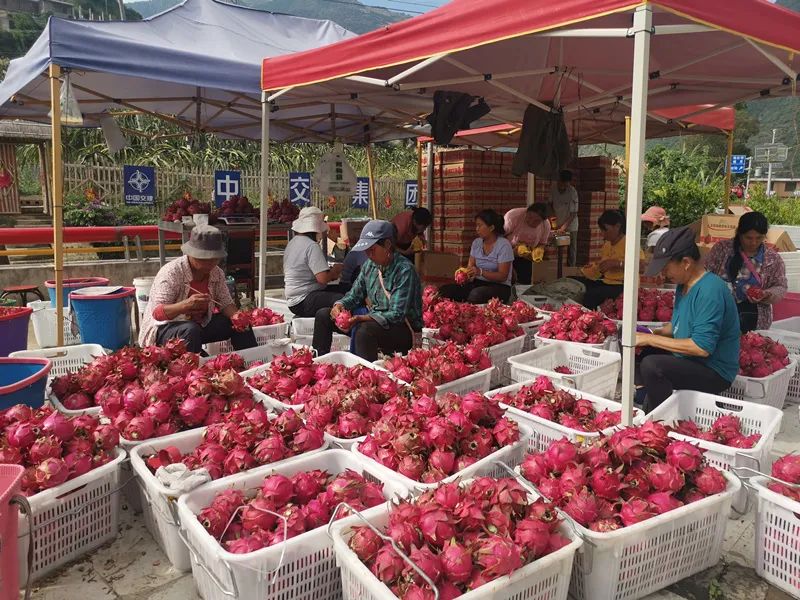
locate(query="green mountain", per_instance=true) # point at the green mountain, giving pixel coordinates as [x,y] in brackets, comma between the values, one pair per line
[350,14]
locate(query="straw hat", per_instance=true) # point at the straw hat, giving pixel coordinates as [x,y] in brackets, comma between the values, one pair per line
[205,242]
[310,220]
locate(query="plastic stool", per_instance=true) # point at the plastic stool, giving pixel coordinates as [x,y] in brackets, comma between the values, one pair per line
[22,291]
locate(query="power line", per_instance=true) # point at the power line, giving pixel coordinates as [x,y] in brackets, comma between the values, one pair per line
[365,7]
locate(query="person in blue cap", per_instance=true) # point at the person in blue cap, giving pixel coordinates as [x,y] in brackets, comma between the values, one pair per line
[699,348]
[391,290]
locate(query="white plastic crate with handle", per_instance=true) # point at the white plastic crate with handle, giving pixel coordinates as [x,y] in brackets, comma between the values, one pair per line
[71,519]
[530,328]
[64,359]
[301,567]
[480,381]
[499,355]
[770,390]
[544,432]
[339,343]
[263,353]
[611,343]
[44,321]
[792,342]
[704,409]
[511,455]
[264,335]
[791,324]
[777,538]
[594,371]
[159,503]
[546,578]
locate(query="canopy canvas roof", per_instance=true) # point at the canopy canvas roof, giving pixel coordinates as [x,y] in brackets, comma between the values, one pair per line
[574,54]
[196,65]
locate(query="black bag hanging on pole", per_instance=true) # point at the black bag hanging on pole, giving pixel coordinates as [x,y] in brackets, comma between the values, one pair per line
[453,111]
[544,148]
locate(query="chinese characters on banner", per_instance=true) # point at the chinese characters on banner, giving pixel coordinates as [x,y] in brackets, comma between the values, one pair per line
[361,197]
[300,189]
[411,193]
[140,185]
[226,185]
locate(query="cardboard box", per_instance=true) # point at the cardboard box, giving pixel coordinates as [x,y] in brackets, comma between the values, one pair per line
[351,229]
[714,228]
[436,267]
[545,271]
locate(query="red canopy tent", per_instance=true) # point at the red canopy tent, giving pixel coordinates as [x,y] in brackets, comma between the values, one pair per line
[595,61]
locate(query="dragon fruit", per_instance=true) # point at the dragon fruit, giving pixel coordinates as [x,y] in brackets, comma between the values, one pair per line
[344,320]
[760,356]
[574,323]
[726,430]
[653,305]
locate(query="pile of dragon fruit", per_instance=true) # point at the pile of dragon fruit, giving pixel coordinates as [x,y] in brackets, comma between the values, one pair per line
[760,356]
[256,317]
[304,501]
[466,323]
[125,368]
[439,364]
[726,430]
[52,447]
[244,439]
[573,323]
[543,400]
[654,305]
[461,537]
[787,469]
[427,439]
[158,403]
[289,374]
[11,311]
[635,474]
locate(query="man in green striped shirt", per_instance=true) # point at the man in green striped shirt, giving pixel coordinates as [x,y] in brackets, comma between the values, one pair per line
[389,287]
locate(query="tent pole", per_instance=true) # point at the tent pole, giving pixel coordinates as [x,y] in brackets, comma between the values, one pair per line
[531,189]
[373,201]
[58,197]
[642,27]
[262,222]
[429,188]
[627,144]
[419,164]
[728,174]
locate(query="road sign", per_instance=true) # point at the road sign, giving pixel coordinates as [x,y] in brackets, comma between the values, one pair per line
[738,163]
[140,185]
[771,153]
[226,185]
[300,189]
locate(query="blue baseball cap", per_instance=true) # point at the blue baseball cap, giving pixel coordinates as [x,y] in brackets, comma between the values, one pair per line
[374,232]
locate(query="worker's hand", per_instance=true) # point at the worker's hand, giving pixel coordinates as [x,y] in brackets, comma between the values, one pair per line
[196,303]
[335,310]
[608,265]
[561,230]
[336,270]
[472,272]
[766,298]
[643,339]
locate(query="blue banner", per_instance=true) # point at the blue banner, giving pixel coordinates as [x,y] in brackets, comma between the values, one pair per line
[300,189]
[738,163]
[226,185]
[412,189]
[140,185]
[361,198]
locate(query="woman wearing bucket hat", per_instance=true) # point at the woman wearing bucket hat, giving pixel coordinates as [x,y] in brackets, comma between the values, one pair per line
[390,287]
[185,294]
[655,222]
[306,273]
[699,348]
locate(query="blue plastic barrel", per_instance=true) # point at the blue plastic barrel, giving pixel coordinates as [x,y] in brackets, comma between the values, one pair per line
[23,381]
[70,285]
[104,319]
[14,330]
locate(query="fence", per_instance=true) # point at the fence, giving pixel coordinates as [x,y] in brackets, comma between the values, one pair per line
[108,181]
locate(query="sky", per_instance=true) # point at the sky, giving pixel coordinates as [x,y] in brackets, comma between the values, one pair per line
[409,6]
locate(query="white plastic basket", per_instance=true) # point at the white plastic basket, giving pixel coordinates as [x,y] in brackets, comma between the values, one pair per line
[792,342]
[43,319]
[302,567]
[510,455]
[611,343]
[303,326]
[546,578]
[594,371]
[543,432]
[71,519]
[63,359]
[777,538]
[159,503]
[704,409]
[792,324]
[263,353]
[770,390]
[279,305]
[264,335]
[530,328]
[339,343]
[635,561]
[480,381]
[500,353]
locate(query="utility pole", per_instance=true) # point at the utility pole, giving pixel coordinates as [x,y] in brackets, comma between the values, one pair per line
[769,168]
[121,10]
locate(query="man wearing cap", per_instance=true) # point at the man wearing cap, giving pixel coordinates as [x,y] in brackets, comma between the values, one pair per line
[390,287]
[190,299]
[306,273]
[699,348]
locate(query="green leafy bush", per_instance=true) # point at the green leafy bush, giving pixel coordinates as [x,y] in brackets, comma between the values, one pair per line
[779,211]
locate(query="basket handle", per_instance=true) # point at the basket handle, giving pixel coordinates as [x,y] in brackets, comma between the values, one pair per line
[385,538]
[747,389]
[569,382]
[746,479]
[590,353]
[25,507]
[729,406]
[209,572]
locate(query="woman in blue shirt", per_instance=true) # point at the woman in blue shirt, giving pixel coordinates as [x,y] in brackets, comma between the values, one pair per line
[699,348]
[489,266]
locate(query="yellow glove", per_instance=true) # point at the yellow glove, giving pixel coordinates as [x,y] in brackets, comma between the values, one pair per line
[522,251]
[591,271]
[538,254]
[417,245]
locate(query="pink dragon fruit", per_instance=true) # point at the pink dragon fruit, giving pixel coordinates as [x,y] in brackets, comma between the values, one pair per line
[685,456]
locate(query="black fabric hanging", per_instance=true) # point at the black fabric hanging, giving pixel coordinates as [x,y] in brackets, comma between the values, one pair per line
[544,148]
[453,111]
